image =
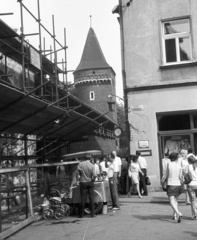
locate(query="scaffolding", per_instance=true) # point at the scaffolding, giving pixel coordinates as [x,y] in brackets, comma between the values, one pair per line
[39,117]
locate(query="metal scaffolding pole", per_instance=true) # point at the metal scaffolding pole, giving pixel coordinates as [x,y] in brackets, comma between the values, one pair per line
[55,60]
[40,47]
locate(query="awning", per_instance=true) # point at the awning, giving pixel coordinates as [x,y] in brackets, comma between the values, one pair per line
[29,115]
[81,154]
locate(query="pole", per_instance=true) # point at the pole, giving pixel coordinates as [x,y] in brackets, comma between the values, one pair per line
[124,77]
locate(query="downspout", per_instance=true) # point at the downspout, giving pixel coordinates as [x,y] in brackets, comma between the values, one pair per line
[124,76]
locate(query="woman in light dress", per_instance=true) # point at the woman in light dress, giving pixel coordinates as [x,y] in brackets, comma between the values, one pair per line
[133,172]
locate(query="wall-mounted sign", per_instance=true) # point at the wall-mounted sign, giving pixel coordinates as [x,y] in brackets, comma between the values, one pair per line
[145,152]
[35,58]
[143,144]
[137,108]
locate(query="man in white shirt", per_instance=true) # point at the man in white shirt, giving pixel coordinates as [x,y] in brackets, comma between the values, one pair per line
[117,174]
[143,166]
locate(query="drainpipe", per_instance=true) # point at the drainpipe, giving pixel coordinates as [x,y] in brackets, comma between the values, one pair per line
[124,76]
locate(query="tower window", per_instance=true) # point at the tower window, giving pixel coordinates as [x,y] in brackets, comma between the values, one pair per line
[92,95]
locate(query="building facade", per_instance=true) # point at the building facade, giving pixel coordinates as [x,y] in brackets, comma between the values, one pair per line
[159,62]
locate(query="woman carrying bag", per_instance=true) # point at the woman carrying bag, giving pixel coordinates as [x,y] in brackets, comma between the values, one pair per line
[133,172]
[173,177]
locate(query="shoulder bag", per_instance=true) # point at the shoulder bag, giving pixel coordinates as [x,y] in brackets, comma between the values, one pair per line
[147,180]
[187,178]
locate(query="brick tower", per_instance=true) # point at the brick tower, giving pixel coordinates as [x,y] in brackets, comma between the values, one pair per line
[94,78]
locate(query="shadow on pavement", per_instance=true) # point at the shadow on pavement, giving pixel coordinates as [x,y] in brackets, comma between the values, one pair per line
[165,218]
[193,234]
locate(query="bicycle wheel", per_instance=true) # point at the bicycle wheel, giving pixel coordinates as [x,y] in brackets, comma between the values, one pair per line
[59,213]
[48,214]
[98,203]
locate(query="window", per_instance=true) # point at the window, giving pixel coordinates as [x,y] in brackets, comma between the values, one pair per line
[92,95]
[176,41]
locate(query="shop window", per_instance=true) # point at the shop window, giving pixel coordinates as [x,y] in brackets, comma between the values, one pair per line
[174,122]
[176,42]
[175,143]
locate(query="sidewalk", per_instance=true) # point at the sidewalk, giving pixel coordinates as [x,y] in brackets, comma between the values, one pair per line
[138,219]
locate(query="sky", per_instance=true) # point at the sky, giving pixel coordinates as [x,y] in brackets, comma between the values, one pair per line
[74,16]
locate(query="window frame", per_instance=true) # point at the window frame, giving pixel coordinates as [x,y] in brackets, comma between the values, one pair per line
[176,36]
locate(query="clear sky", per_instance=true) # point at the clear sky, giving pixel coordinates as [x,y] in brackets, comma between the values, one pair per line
[74,16]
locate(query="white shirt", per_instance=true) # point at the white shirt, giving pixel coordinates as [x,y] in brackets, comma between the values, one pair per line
[194,176]
[110,171]
[97,170]
[103,168]
[117,164]
[173,173]
[142,162]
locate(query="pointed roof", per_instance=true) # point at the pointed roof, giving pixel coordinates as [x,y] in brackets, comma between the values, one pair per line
[92,56]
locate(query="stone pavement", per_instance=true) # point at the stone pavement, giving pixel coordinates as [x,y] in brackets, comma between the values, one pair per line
[138,219]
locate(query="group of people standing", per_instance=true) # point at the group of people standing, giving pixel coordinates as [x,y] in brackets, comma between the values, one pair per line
[175,167]
[88,171]
[115,170]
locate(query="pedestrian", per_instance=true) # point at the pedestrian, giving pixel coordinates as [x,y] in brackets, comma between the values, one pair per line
[192,186]
[103,168]
[173,176]
[143,166]
[124,173]
[97,169]
[117,174]
[134,172]
[184,165]
[86,174]
[110,176]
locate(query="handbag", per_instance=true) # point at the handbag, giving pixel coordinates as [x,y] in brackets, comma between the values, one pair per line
[187,178]
[147,180]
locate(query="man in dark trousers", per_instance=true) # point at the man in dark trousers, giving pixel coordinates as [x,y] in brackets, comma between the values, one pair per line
[143,166]
[124,173]
[86,172]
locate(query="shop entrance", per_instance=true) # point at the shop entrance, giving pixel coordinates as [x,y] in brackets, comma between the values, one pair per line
[176,131]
